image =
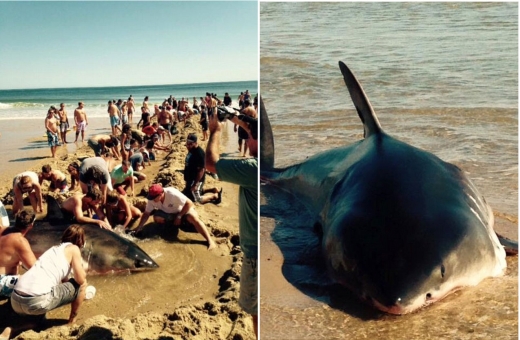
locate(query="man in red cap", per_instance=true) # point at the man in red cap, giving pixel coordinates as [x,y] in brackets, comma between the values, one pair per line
[171,205]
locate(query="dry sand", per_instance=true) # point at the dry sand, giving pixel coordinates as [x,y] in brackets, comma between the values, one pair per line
[214,316]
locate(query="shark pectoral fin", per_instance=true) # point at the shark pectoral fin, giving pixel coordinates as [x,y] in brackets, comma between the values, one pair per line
[364,108]
[510,246]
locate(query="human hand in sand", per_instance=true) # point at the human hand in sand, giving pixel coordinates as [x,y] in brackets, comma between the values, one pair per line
[104,225]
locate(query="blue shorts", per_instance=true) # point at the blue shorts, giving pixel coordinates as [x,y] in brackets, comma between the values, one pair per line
[7,283]
[52,139]
[114,120]
[60,295]
[248,298]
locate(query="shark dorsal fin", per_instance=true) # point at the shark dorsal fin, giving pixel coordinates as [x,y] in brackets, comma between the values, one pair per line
[364,108]
[266,140]
[53,210]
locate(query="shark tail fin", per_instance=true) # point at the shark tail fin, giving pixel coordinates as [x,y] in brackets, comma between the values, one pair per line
[266,140]
[364,108]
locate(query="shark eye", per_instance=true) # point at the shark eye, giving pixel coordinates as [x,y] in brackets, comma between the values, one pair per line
[428,296]
[443,270]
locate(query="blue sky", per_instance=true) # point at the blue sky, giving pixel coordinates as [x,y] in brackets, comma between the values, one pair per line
[85,44]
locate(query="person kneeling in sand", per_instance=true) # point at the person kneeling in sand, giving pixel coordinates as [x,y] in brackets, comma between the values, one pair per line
[15,249]
[27,183]
[102,143]
[173,206]
[119,210]
[46,286]
[73,208]
[123,176]
[56,177]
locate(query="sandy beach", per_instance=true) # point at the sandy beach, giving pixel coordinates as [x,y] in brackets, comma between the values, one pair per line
[193,295]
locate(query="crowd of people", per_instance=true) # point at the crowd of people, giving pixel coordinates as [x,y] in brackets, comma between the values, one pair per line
[102,184]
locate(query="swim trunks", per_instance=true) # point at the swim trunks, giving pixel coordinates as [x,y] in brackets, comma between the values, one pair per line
[167,126]
[124,119]
[81,126]
[194,195]
[242,134]
[7,283]
[62,185]
[64,126]
[94,145]
[114,121]
[248,298]
[52,139]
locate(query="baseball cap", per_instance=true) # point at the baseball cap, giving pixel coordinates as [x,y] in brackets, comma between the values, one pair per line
[154,191]
[192,138]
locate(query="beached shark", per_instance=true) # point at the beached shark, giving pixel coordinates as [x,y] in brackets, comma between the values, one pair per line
[400,227]
[106,252]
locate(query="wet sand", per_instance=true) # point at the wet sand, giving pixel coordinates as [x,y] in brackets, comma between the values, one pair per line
[191,296]
[299,301]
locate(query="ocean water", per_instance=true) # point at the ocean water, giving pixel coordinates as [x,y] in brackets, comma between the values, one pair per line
[440,76]
[34,103]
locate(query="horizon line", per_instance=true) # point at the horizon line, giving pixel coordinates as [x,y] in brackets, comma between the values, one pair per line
[112,86]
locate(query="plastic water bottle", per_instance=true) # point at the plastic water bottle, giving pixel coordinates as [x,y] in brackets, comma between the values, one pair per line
[5,218]
[90,292]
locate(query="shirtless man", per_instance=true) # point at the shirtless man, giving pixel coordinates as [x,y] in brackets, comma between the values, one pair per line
[113,114]
[74,207]
[211,104]
[165,119]
[80,118]
[56,177]
[51,125]
[145,104]
[64,123]
[14,248]
[248,110]
[130,105]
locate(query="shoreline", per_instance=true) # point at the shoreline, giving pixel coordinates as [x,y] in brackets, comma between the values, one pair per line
[208,313]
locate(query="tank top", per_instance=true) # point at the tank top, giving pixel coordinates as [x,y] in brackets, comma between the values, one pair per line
[48,271]
[31,174]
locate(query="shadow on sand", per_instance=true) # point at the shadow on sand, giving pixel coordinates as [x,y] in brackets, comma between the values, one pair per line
[303,264]
[28,159]
[20,323]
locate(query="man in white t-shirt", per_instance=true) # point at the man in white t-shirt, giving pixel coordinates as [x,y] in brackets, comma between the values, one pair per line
[173,206]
